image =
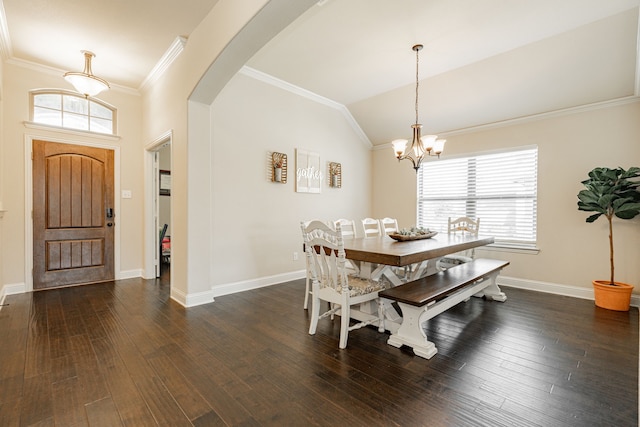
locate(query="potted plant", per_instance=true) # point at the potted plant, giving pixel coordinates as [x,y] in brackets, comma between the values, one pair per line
[611,192]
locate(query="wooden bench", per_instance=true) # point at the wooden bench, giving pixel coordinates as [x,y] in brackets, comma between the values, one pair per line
[425,298]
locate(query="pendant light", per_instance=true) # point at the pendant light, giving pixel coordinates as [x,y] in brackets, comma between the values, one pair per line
[421,146]
[85,82]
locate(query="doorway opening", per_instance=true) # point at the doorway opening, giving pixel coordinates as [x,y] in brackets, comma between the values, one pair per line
[158,207]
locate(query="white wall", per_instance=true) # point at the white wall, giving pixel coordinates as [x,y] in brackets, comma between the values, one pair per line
[221,44]
[572,252]
[256,222]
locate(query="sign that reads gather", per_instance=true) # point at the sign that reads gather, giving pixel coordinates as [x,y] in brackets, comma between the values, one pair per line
[308,172]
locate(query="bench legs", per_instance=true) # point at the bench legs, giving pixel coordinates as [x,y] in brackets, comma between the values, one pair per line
[492,291]
[411,333]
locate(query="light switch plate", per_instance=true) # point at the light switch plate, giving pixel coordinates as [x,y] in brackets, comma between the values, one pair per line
[126,194]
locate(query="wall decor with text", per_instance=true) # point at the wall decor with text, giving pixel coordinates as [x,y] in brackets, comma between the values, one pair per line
[308,172]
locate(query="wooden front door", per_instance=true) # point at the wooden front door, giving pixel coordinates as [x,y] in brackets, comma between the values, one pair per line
[73,216]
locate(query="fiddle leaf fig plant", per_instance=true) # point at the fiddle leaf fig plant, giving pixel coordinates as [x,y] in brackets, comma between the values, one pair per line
[611,192]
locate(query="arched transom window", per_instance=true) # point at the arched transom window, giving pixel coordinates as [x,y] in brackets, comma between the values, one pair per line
[72,111]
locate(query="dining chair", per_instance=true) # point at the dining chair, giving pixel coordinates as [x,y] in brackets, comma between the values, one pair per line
[371,227]
[324,249]
[466,226]
[348,227]
[348,230]
[389,225]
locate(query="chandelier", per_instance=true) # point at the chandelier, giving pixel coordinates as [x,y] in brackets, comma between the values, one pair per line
[85,82]
[421,146]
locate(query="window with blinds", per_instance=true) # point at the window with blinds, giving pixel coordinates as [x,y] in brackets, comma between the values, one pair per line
[498,188]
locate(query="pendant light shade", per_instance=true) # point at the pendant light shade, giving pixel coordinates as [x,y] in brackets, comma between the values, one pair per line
[85,82]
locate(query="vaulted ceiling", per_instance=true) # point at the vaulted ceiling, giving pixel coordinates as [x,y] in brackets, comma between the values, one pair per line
[483,61]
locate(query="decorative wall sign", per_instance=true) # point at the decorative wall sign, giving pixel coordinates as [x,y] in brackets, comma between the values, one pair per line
[279,167]
[335,175]
[165,183]
[308,172]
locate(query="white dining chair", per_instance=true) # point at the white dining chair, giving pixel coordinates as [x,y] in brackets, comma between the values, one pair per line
[324,249]
[371,227]
[465,226]
[348,227]
[307,283]
[389,225]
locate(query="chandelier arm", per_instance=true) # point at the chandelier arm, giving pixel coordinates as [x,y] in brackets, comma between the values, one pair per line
[416,162]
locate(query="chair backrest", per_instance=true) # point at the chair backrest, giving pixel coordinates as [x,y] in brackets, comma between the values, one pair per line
[371,227]
[389,225]
[464,225]
[324,248]
[348,227]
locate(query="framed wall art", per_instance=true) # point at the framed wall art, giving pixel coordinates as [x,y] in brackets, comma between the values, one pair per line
[308,172]
[165,183]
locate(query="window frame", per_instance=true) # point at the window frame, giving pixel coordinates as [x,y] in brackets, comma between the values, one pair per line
[62,93]
[509,242]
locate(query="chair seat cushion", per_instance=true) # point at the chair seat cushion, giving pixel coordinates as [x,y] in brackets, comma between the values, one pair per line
[456,259]
[359,286]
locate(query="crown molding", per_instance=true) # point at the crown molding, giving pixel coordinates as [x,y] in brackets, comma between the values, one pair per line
[297,90]
[533,118]
[167,59]
[6,51]
[52,71]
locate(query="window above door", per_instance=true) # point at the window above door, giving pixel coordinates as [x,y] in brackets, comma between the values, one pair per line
[69,110]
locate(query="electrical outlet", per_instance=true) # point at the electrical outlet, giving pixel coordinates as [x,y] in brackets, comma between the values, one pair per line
[295,256]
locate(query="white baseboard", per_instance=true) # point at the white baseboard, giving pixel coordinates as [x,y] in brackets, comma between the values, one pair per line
[206,297]
[12,289]
[129,274]
[555,288]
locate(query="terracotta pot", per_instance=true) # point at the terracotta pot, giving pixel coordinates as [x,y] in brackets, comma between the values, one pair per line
[616,297]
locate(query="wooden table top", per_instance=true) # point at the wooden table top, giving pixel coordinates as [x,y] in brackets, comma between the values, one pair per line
[385,250]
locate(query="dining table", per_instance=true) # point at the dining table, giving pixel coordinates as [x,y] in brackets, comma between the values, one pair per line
[379,257]
[383,256]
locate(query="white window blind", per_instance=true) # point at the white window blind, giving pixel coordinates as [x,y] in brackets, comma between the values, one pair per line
[498,188]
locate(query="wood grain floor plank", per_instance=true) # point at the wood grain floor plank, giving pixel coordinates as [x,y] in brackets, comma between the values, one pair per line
[103,413]
[68,402]
[87,369]
[131,407]
[9,416]
[37,401]
[189,400]
[37,356]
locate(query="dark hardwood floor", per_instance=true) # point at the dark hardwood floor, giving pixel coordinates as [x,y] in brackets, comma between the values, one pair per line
[123,353]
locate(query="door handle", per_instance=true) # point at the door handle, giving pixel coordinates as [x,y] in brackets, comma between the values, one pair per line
[109,213]
[109,224]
